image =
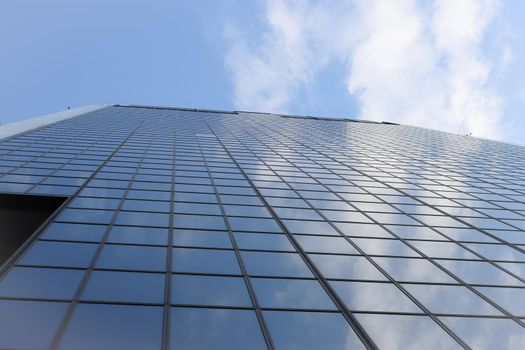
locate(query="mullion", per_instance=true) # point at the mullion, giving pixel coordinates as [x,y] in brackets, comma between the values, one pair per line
[166,322]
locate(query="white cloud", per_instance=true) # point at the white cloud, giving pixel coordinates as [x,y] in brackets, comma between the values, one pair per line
[409,63]
[268,72]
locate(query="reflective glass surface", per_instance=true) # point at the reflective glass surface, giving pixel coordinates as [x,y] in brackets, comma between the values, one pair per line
[413,270]
[392,247]
[59,254]
[275,264]
[247,240]
[209,290]
[200,238]
[217,329]
[200,229]
[319,244]
[100,326]
[27,282]
[41,318]
[406,332]
[74,232]
[511,299]
[291,294]
[451,300]
[346,267]
[479,272]
[311,330]
[124,287]
[483,333]
[204,261]
[369,296]
[126,257]
[138,235]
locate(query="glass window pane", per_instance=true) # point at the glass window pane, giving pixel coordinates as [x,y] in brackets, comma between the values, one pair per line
[27,282]
[287,202]
[214,329]
[254,225]
[443,250]
[209,290]
[346,267]
[198,238]
[195,197]
[29,324]
[199,222]
[465,234]
[125,287]
[406,332]
[320,244]
[336,205]
[291,294]
[362,230]
[297,214]
[275,264]
[394,219]
[450,300]
[377,207]
[479,272]
[102,326]
[310,330]
[121,257]
[141,205]
[86,216]
[369,296]
[240,200]
[490,224]
[443,221]
[138,235]
[515,237]
[416,232]
[142,219]
[384,247]
[413,270]
[196,208]
[263,241]
[485,333]
[346,216]
[511,299]
[204,261]
[310,227]
[237,210]
[497,251]
[94,203]
[74,232]
[515,268]
[59,254]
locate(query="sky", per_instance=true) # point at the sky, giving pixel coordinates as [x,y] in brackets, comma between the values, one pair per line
[457,66]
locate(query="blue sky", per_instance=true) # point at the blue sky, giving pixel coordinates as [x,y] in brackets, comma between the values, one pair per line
[451,65]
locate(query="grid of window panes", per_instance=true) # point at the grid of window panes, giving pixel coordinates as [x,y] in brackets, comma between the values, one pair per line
[197,230]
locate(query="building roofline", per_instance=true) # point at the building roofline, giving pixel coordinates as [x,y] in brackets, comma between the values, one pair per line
[16,128]
[204,110]
[353,120]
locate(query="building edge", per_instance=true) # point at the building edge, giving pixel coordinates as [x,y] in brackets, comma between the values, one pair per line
[20,127]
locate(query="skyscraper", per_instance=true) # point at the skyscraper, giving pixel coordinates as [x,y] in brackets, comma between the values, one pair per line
[134,227]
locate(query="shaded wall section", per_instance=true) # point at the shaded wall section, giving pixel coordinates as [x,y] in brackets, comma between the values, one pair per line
[20,217]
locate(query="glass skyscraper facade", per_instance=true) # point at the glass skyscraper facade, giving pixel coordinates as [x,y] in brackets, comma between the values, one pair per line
[192,229]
